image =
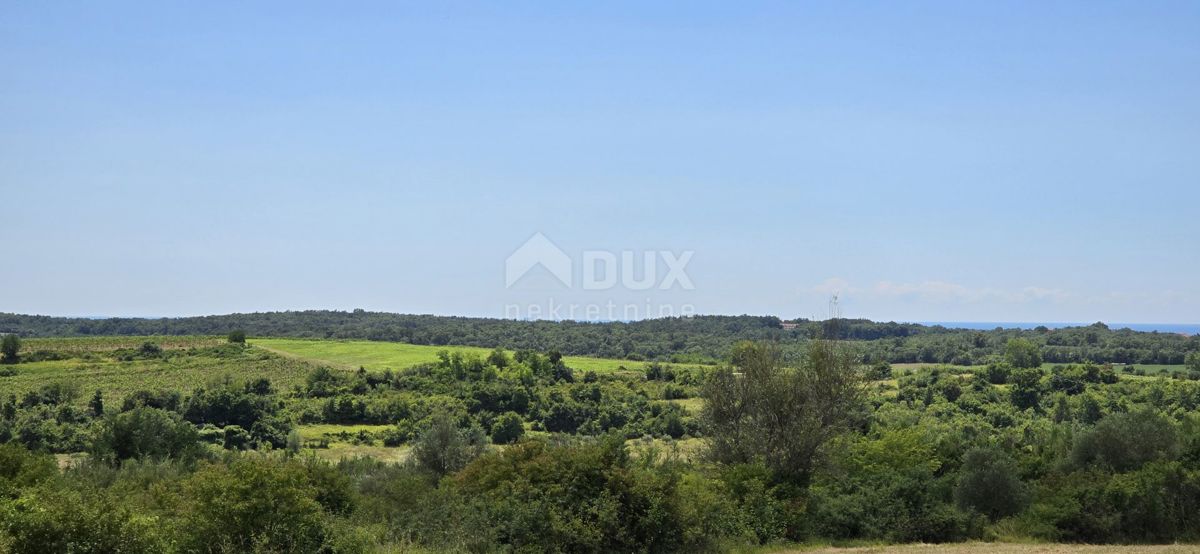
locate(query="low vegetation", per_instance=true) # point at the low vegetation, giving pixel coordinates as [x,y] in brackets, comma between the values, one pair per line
[215,444]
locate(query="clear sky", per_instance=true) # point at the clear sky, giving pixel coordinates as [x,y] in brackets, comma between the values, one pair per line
[1011,161]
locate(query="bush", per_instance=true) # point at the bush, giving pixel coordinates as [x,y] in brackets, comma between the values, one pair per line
[20,468]
[442,447]
[48,519]
[582,498]
[1023,354]
[989,484]
[508,428]
[145,433]
[10,349]
[997,372]
[237,336]
[1126,441]
[253,504]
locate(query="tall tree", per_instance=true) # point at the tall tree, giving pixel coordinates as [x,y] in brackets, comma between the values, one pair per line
[1023,353]
[10,348]
[778,415]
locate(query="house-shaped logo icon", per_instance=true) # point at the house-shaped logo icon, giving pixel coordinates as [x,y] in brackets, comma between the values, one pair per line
[538,250]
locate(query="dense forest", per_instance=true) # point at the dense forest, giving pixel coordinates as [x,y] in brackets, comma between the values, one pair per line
[691,339]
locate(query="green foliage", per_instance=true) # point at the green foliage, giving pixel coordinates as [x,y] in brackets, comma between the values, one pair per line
[58,519]
[508,428]
[20,468]
[10,348]
[888,488]
[96,404]
[145,433]
[253,504]
[942,453]
[237,336]
[585,498]
[691,339]
[443,447]
[1022,354]
[251,405]
[778,415]
[1026,388]
[989,484]
[997,373]
[1127,441]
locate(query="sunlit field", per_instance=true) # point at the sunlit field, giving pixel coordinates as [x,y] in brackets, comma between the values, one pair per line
[375,355]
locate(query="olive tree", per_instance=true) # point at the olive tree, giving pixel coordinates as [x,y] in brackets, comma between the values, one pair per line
[781,416]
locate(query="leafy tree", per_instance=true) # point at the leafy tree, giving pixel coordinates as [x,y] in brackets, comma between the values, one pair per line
[508,428]
[20,468]
[1193,361]
[1023,353]
[251,405]
[1127,441]
[253,504]
[237,336]
[499,358]
[1026,388]
[149,350]
[145,433]
[10,348]
[881,371]
[578,498]
[61,519]
[997,372]
[989,484]
[96,404]
[779,415]
[442,447]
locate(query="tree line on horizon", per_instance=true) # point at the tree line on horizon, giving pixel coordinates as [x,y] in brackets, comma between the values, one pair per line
[698,339]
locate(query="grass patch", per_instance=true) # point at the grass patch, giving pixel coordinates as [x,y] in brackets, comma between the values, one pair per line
[319,430]
[377,356]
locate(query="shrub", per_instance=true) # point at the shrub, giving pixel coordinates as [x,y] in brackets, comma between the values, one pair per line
[20,468]
[145,433]
[48,519]
[582,498]
[508,428]
[252,504]
[989,484]
[1126,441]
[442,447]
[10,348]
[778,414]
[1023,354]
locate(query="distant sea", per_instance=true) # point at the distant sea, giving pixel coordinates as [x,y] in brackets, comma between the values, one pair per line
[1184,328]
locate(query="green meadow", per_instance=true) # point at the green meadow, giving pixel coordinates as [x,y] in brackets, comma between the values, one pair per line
[375,355]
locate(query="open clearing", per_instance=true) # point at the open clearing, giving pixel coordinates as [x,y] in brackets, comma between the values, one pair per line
[190,362]
[377,356]
[1001,548]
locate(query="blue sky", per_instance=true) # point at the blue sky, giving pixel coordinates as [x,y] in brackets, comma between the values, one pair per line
[1010,161]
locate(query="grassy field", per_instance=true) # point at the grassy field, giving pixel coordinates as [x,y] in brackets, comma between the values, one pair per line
[190,362]
[179,372]
[377,356]
[84,345]
[998,548]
